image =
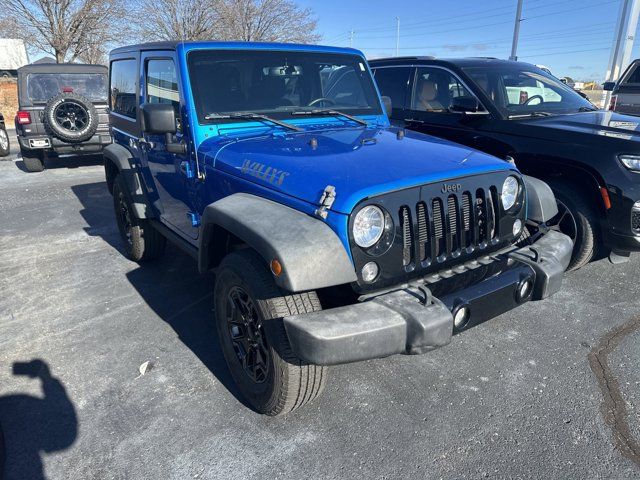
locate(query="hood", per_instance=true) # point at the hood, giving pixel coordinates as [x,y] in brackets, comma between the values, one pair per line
[358,162]
[603,123]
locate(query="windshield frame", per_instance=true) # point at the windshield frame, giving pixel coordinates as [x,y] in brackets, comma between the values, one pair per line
[284,114]
[544,107]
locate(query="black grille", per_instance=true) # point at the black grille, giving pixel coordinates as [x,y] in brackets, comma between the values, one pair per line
[635,221]
[405,221]
[449,226]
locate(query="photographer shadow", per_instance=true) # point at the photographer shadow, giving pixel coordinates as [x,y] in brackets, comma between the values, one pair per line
[31,426]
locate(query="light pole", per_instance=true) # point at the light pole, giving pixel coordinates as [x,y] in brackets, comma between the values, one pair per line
[516,32]
[351,32]
[397,36]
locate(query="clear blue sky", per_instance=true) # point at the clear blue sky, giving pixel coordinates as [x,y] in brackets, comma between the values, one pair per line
[573,38]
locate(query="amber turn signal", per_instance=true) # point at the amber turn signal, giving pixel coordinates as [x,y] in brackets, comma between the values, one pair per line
[276,268]
[605,198]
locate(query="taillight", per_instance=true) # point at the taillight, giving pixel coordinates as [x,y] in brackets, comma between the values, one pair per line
[613,102]
[24,118]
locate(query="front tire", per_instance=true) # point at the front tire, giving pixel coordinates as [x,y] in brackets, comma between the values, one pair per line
[577,219]
[33,160]
[249,308]
[142,241]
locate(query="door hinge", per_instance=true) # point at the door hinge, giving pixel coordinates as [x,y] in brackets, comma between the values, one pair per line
[326,201]
[195,218]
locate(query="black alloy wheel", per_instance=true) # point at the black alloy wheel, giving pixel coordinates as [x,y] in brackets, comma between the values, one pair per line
[564,222]
[247,334]
[71,116]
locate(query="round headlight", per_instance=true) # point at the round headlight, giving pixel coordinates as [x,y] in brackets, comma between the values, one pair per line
[510,189]
[368,226]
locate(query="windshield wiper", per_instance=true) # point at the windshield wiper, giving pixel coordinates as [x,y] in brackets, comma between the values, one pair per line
[532,114]
[588,109]
[251,116]
[335,113]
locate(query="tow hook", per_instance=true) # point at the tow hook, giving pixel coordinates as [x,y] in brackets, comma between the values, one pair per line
[326,201]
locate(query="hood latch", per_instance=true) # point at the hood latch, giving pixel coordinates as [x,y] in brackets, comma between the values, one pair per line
[326,201]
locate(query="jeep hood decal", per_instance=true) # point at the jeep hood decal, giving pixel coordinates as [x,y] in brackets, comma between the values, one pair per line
[358,162]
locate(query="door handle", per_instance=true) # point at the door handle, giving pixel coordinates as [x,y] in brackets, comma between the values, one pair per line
[145,143]
[185,169]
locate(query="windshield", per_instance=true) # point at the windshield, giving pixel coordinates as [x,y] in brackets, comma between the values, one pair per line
[43,86]
[526,90]
[279,84]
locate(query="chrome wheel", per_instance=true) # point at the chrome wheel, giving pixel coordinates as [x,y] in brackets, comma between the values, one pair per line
[4,140]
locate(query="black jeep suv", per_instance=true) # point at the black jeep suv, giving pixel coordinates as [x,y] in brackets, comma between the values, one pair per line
[516,111]
[62,111]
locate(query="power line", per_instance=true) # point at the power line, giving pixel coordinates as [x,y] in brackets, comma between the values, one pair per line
[567,53]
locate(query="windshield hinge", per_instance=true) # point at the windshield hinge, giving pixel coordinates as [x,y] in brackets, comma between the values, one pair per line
[326,201]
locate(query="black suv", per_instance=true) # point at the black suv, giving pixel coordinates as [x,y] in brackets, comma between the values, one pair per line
[516,111]
[62,111]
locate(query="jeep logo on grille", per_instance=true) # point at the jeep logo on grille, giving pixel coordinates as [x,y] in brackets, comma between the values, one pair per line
[450,187]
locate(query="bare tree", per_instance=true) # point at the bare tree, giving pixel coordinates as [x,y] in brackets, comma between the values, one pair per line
[177,19]
[67,29]
[266,21]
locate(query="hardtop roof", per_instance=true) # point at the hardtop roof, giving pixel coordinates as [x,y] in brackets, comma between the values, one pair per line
[62,68]
[460,62]
[194,45]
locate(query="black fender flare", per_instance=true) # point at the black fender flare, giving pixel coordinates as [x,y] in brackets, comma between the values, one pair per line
[311,254]
[541,202]
[123,161]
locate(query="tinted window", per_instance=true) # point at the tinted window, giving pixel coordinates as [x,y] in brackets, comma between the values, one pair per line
[123,87]
[525,90]
[435,88]
[634,77]
[43,86]
[162,83]
[393,83]
[279,83]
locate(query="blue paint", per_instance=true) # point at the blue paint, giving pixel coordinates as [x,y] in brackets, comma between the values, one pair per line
[293,168]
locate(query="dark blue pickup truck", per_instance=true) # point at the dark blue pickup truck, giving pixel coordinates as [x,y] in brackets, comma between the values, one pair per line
[335,237]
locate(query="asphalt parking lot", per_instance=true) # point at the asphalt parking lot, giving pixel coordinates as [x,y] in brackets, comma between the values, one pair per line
[551,390]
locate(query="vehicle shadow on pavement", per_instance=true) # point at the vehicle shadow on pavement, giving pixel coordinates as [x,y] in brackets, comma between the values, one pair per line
[30,425]
[64,162]
[171,286]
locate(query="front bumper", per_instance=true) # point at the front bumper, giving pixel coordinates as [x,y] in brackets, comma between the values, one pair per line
[622,243]
[411,320]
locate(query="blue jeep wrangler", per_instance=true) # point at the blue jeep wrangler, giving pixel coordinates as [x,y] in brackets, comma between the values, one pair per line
[335,237]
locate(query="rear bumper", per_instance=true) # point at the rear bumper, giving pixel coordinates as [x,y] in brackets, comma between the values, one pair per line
[411,320]
[94,145]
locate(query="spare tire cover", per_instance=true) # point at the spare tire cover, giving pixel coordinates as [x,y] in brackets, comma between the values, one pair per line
[71,118]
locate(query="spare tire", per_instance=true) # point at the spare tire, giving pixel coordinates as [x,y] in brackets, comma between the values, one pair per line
[71,118]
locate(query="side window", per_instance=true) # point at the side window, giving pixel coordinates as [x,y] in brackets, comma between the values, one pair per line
[434,90]
[122,97]
[394,83]
[634,77]
[162,83]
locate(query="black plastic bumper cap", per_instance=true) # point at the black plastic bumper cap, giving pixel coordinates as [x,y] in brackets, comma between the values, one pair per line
[397,322]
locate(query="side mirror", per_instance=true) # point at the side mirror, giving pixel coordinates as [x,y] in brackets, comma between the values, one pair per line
[609,86]
[388,107]
[160,119]
[464,105]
